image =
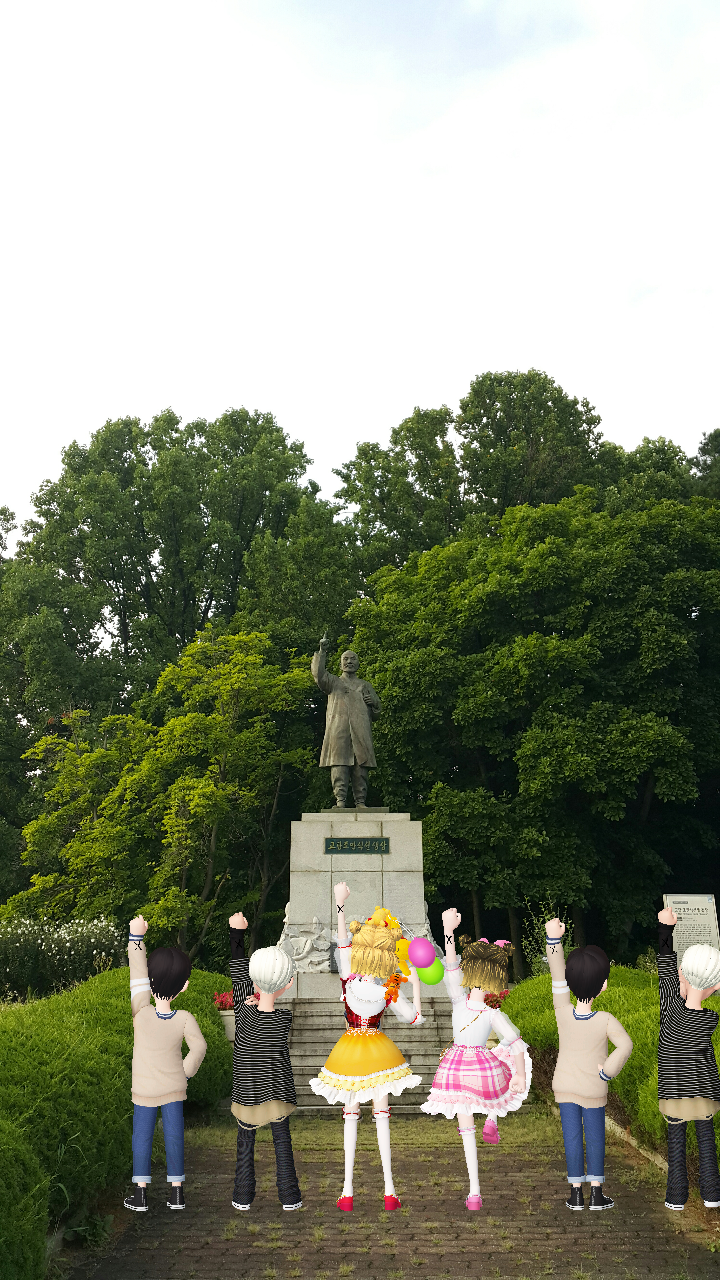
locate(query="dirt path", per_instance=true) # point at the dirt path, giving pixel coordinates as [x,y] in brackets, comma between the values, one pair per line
[523,1231]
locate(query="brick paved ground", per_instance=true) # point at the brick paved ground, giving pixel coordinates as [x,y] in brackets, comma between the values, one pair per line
[523,1230]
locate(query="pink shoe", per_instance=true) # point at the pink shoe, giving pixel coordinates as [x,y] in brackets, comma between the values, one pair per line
[473,1202]
[392,1202]
[345,1203]
[490,1132]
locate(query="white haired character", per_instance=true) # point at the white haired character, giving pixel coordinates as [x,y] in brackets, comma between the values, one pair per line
[263,1084]
[688,1081]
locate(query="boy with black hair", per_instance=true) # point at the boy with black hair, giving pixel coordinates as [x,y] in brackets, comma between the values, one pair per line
[159,1071]
[583,1066]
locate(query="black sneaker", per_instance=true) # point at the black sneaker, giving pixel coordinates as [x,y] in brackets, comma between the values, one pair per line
[599,1201]
[576,1200]
[138,1200]
[177,1199]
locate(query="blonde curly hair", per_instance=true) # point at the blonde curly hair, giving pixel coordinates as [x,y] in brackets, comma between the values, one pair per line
[373,949]
[486,966]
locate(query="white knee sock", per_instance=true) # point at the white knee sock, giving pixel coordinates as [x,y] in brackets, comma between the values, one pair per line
[382,1125]
[471,1159]
[351,1124]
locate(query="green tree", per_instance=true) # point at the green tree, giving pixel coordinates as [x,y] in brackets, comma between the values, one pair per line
[706,465]
[153,524]
[408,497]
[656,469]
[174,813]
[551,700]
[524,440]
[303,581]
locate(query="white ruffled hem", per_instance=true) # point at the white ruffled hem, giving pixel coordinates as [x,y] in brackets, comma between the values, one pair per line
[349,1097]
[449,1104]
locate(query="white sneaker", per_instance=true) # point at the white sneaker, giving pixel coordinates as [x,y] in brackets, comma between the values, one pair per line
[673,1206]
[289,1207]
[234,1204]
[712,1204]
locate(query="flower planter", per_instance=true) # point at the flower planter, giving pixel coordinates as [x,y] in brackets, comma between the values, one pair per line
[228,1017]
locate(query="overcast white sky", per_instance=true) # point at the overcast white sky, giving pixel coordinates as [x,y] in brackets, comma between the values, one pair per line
[338,209]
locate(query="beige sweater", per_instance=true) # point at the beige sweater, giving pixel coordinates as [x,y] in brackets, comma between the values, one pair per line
[583,1044]
[159,1071]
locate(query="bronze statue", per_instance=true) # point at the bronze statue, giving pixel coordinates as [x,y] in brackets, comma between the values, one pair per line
[353,704]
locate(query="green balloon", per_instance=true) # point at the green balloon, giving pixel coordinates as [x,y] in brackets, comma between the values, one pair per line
[433,974]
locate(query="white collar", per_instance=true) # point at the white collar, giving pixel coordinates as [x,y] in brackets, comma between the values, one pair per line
[366,989]
[475,1008]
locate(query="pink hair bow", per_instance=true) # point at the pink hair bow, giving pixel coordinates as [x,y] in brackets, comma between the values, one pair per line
[502,942]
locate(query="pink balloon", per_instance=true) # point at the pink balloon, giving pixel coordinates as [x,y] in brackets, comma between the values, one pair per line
[421,953]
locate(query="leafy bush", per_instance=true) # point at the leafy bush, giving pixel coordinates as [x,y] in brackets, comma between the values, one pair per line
[38,957]
[23,1208]
[632,996]
[65,1082]
[535,932]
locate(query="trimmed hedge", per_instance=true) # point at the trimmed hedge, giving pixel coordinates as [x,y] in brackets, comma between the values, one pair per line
[23,1208]
[632,996]
[65,1086]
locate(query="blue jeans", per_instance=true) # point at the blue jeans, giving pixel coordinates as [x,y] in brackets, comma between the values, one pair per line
[174,1134]
[574,1119]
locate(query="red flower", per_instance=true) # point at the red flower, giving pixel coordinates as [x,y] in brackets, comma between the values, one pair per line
[223,1000]
[494,1000]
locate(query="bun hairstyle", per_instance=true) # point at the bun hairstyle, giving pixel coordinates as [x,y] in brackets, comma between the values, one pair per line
[271,969]
[373,951]
[485,965]
[701,966]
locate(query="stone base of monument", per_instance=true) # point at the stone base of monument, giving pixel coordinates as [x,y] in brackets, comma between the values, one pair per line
[379,855]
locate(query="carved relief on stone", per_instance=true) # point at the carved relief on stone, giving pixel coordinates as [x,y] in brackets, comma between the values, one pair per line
[308,944]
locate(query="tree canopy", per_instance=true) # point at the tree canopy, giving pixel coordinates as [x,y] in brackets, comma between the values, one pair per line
[535,603]
[551,701]
[159,814]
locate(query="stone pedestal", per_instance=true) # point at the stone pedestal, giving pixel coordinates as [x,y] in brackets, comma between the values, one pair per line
[321,855]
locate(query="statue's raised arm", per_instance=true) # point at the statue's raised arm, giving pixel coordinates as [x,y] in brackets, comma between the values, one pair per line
[353,704]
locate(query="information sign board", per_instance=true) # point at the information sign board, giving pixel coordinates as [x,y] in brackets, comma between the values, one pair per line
[697,920]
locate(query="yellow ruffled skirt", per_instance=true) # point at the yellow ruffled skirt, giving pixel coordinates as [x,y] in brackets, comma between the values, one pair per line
[363,1066]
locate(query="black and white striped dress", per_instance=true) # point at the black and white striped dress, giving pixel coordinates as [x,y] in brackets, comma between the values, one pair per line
[686,1060]
[261,1057]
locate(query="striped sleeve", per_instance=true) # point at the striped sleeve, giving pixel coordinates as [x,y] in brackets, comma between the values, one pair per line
[668,983]
[242,986]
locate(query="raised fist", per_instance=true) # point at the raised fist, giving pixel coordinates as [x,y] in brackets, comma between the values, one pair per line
[342,893]
[238,921]
[555,928]
[666,916]
[138,925]
[451,920]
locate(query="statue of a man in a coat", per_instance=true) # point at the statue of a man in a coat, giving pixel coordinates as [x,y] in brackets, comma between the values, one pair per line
[353,704]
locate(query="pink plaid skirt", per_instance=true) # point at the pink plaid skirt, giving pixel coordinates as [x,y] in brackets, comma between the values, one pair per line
[470,1079]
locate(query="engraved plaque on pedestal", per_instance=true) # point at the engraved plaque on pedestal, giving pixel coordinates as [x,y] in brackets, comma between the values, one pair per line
[378,854]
